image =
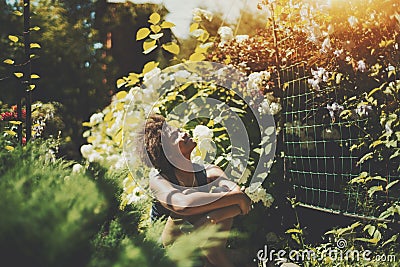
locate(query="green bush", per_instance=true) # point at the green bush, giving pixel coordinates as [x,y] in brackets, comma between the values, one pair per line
[49,213]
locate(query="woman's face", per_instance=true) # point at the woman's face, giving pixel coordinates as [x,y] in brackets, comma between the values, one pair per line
[179,141]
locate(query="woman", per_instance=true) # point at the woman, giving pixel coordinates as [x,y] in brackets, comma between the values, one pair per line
[186,193]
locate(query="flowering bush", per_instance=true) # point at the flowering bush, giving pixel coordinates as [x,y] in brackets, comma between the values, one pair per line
[351,56]
[45,120]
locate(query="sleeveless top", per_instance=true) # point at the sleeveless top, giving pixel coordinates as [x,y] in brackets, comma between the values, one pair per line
[158,210]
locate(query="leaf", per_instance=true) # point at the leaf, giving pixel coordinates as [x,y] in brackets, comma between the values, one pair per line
[365,157]
[36,28]
[18,13]
[35,45]
[395,154]
[203,37]
[149,45]
[31,87]
[15,122]
[10,132]
[154,18]
[13,38]
[156,36]
[155,28]
[392,239]
[374,189]
[86,124]
[293,230]
[34,76]
[391,184]
[376,143]
[9,61]
[120,83]
[237,110]
[258,150]
[360,178]
[167,25]
[118,137]
[121,94]
[149,66]
[142,33]
[193,27]
[374,91]
[9,148]
[370,229]
[18,74]
[372,240]
[197,57]
[133,78]
[171,47]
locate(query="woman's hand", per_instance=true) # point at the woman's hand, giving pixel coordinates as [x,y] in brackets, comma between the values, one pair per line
[244,203]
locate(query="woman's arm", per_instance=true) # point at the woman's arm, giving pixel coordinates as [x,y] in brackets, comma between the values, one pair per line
[217,178]
[195,202]
[219,215]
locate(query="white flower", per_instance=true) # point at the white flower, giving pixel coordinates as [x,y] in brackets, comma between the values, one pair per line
[352,21]
[335,107]
[241,38]
[198,13]
[255,80]
[197,33]
[314,83]
[136,195]
[275,108]
[77,168]
[320,73]
[390,67]
[91,154]
[201,132]
[361,67]
[337,53]
[86,150]
[272,108]
[326,45]
[363,110]
[96,118]
[260,194]
[226,34]
[388,129]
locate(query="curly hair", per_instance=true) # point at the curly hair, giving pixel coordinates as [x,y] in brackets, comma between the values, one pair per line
[153,145]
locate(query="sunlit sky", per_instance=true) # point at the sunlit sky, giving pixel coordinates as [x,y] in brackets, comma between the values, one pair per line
[181,11]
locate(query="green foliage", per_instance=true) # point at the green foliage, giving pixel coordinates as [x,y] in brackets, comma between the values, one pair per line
[50,213]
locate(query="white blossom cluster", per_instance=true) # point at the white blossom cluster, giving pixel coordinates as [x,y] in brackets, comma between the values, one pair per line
[255,80]
[319,75]
[333,109]
[202,135]
[260,194]
[226,35]
[132,192]
[198,13]
[269,107]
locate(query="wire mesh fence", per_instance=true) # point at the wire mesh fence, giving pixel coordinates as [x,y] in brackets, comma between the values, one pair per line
[320,159]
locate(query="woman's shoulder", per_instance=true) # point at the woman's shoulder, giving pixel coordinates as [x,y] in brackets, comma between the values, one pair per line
[214,171]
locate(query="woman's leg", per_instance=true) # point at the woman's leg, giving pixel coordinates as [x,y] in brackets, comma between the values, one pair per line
[171,232]
[217,256]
